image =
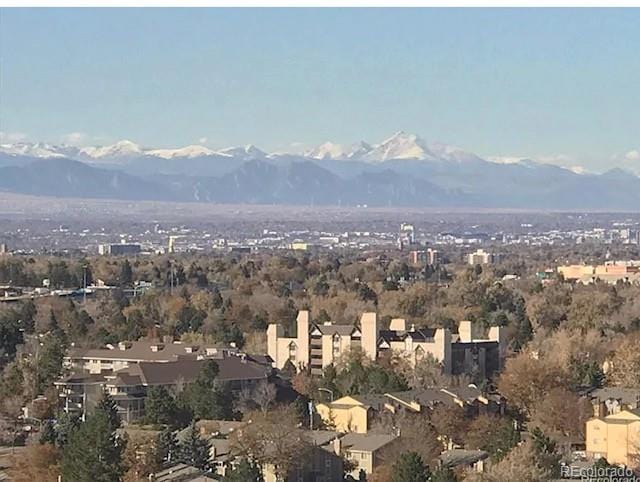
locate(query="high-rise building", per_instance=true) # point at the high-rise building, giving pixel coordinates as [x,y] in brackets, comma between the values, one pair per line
[480,256]
[119,249]
[406,236]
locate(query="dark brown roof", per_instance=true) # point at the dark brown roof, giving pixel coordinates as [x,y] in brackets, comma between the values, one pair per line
[144,351]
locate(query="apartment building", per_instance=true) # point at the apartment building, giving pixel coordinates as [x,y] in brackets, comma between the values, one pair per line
[480,256]
[615,437]
[127,353]
[318,345]
[128,385]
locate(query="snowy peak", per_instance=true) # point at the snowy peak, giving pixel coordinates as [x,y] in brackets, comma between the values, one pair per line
[329,150]
[120,149]
[400,146]
[247,152]
[39,150]
[188,152]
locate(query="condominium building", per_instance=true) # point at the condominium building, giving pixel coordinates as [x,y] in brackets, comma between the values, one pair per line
[480,256]
[128,386]
[615,437]
[317,345]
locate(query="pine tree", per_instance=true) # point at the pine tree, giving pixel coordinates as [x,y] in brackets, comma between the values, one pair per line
[194,450]
[126,273]
[244,471]
[167,447]
[443,474]
[48,433]
[64,426]
[93,453]
[207,398]
[410,468]
[160,406]
[107,405]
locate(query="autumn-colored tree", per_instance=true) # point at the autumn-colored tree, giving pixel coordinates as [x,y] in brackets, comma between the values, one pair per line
[493,434]
[273,438]
[551,415]
[38,462]
[624,366]
[528,377]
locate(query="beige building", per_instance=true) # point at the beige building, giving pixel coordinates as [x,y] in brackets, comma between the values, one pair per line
[355,413]
[364,450]
[610,272]
[615,437]
[480,256]
[318,345]
[351,413]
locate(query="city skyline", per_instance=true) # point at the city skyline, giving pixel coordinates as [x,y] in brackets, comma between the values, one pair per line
[557,86]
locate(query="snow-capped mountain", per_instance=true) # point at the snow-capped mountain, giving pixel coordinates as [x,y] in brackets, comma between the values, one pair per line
[244,153]
[399,146]
[39,150]
[120,149]
[403,170]
[329,150]
[188,151]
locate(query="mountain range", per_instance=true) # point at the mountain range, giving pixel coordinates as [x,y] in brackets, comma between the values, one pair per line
[403,170]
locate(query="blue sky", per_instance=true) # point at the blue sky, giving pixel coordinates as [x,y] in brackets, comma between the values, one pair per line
[556,84]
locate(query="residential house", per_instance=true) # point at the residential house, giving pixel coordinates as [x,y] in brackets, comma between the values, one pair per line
[365,450]
[355,413]
[351,413]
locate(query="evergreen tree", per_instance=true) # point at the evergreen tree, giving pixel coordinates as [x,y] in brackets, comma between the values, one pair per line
[194,450]
[207,398]
[410,468]
[107,405]
[49,359]
[48,434]
[64,426]
[93,453]
[160,406]
[167,447]
[245,471]
[443,474]
[126,273]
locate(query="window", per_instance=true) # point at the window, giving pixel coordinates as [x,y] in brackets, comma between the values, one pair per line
[336,345]
[293,351]
[419,354]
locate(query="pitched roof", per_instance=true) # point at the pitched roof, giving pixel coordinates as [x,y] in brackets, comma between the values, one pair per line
[460,457]
[231,368]
[342,330]
[366,442]
[182,473]
[628,396]
[142,350]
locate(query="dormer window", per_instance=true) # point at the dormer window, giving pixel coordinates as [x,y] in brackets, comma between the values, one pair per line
[157,347]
